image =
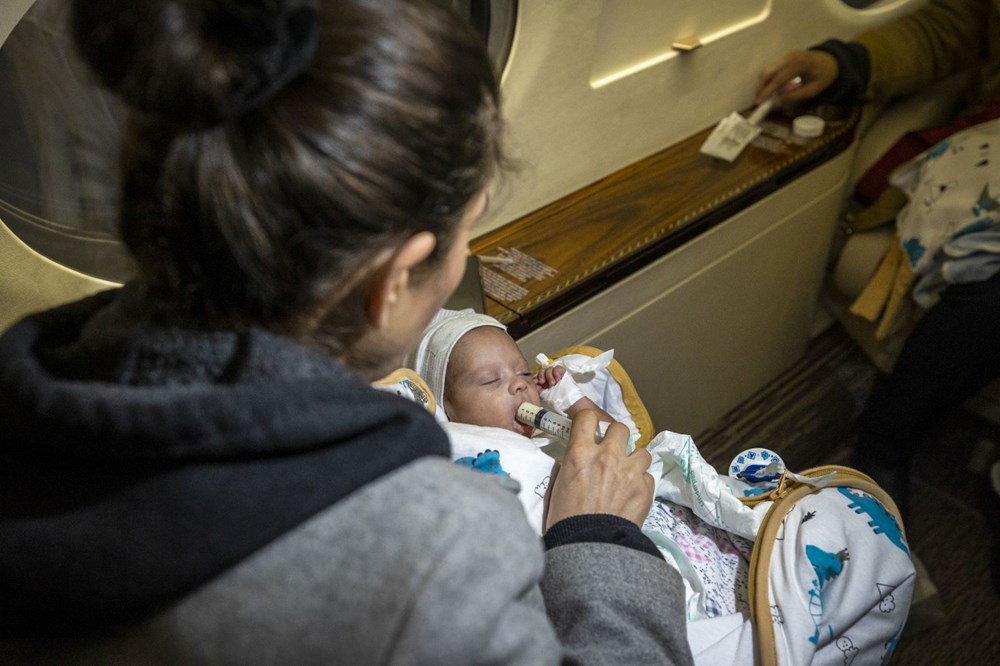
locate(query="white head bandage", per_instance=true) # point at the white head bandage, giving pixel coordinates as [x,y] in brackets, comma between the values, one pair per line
[442,334]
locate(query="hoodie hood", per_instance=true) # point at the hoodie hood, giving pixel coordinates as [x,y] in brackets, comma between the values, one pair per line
[140,460]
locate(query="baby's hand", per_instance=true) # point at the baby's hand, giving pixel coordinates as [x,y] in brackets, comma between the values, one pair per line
[549,377]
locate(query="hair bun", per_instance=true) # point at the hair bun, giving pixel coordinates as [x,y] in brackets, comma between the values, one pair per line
[196,62]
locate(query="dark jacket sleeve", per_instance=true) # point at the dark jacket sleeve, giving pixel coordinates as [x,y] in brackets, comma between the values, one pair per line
[853,72]
[599,528]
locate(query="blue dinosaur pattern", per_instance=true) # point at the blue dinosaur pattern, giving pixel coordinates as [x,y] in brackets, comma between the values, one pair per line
[914,250]
[882,522]
[827,567]
[986,203]
[487,461]
[937,150]
[981,224]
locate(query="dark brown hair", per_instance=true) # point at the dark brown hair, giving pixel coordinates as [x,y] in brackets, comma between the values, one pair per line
[278,145]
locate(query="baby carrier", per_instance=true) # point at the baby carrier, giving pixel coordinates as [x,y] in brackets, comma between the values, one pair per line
[830,577]
[805,546]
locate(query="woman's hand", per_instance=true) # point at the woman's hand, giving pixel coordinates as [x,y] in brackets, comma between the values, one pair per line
[586,403]
[797,76]
[599,477]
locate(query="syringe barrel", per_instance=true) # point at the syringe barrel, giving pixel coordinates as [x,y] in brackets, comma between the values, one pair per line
[545,420]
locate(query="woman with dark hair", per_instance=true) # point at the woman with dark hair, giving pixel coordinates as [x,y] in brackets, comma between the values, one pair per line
[194,467]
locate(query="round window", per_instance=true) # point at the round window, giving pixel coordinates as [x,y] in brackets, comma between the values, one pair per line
[58,148]
[59,138]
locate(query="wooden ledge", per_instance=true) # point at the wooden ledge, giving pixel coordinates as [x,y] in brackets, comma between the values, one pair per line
[578,245]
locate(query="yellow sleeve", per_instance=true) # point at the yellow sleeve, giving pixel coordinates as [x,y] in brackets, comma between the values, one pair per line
[941,38]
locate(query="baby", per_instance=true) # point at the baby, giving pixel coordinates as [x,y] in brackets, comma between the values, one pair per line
[478,377]
[487,378]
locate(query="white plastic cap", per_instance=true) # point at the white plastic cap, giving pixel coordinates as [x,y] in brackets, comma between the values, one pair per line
[808,126]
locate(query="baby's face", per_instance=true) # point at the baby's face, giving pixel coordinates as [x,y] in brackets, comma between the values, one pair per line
[487,379]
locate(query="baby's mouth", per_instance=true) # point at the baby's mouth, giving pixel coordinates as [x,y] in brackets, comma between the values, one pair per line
[522,429]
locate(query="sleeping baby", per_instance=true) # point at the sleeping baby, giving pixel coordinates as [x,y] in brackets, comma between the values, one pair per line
[479,377]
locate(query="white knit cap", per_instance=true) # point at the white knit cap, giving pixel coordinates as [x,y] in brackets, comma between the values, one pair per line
[440,337]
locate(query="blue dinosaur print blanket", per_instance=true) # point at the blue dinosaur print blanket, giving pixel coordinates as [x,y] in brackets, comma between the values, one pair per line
[950,228]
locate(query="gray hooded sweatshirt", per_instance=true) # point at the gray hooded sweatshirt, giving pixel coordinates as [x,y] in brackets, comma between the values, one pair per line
[172,495]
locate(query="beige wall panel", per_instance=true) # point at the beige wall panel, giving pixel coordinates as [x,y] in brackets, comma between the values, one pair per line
[704,327]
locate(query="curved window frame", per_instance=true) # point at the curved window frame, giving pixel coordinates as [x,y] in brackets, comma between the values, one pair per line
[860,4]
[59,134]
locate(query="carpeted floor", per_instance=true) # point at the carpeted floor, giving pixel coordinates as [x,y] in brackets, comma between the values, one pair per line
[807,415]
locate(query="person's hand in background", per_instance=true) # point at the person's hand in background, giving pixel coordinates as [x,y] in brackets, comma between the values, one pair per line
[797,76]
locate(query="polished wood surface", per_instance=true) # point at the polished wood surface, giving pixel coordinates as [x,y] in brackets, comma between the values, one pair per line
[615,226]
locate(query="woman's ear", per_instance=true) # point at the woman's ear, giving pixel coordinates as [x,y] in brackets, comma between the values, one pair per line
[391,276]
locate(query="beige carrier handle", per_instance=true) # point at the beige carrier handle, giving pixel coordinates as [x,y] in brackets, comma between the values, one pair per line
[784,497]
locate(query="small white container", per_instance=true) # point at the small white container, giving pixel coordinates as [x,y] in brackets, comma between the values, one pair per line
[808,127]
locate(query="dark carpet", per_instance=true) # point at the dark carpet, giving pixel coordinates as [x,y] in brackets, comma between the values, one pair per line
[807,415]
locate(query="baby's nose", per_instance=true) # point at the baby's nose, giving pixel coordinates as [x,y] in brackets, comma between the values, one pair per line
[520,383]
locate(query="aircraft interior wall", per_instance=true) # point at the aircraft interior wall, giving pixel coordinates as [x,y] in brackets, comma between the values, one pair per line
[594,85]
[590,87]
